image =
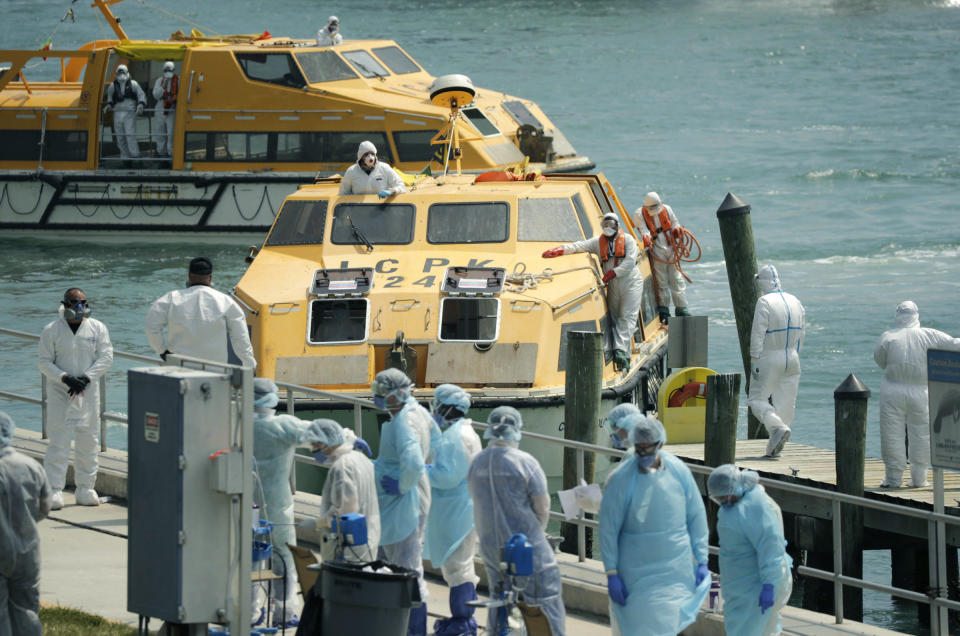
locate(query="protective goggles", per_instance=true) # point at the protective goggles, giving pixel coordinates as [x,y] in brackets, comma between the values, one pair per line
[645,450]
[609,223]
[724,500]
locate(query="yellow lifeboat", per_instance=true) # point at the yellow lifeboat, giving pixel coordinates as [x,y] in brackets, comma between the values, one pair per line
[682,404]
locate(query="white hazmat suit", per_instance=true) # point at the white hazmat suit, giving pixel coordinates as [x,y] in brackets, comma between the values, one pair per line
[330,34]
[367,179]
[775,342]
[656,220]
[351,487]
[199,319]
[165,92]
[904,408]
[127,100]
[24,500]
[64,353]
[625,289]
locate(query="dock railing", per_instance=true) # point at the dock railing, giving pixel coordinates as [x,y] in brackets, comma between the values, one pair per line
[936,522]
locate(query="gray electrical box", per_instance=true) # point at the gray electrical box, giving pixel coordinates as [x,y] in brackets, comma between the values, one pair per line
[687,342]
[179,548]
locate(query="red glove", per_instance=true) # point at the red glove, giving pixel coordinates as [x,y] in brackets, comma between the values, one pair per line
[646,241]
[553,252]
[678,234]
[609,276]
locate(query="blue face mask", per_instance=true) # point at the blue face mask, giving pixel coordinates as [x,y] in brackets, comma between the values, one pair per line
[646,461]
[441,422]
[320,457]
[616,442]
[380,402]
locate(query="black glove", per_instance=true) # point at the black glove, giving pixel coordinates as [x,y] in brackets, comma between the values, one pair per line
[74,384]
[84,380]
[163,356]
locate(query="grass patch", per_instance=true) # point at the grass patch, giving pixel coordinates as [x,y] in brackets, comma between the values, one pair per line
[63,621]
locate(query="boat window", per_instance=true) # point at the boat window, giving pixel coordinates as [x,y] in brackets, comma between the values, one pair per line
[338,321]
[521,114]
[483,222]
[380,224]
[58,145]
[398,61]
[365,64]
[480,121]
[582,215]
[299,223]
[552,220]
[267,147]
[414,145]
[324,66]
[469,319]
[601,197]
[274,68]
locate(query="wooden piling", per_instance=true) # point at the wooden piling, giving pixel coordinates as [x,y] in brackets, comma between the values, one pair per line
[720,435]
[581,416]
[736,235]
[850,422]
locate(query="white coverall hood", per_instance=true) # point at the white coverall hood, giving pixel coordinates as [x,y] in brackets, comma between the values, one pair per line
[908,315]
[365,147]
[769,279]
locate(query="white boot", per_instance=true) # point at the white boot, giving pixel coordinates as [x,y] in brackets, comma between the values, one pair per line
[778,439]
[87,497]
[918,476]
[56,500]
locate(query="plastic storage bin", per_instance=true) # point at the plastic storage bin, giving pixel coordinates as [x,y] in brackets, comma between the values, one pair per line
[358,602]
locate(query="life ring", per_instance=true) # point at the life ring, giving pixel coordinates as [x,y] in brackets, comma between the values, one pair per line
[686,392]
[496,175]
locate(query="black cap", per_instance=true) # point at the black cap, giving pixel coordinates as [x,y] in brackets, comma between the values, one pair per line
[201,266]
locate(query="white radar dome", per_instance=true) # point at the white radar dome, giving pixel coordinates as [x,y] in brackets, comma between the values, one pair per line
[452,90]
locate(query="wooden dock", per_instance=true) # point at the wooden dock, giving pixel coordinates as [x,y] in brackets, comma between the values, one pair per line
[816,467]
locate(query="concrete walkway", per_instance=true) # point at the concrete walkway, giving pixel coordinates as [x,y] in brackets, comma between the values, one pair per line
[84,555]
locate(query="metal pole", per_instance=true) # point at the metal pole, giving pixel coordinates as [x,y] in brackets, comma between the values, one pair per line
[102,383]
[357,423]
[837,563]
[43,406]
[290,402]
[938,615]
[581,530]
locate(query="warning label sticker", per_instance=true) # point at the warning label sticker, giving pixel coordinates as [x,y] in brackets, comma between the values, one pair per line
[151,427]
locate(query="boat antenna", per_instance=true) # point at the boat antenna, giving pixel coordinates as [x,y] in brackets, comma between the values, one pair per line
[454,92]
[112,20]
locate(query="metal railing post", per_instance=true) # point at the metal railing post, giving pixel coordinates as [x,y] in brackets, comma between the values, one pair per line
[581,529]
[102,384]
[357,424]
[291,408]
[837,563]
[43,406]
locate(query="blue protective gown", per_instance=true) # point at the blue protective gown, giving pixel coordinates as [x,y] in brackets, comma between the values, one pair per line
[401,457]
[653,532]
[451,509]
[752,552]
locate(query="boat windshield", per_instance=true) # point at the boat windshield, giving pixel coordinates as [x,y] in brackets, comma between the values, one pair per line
[550,219]
[365,64]
[299,223]
[397,60]
[474,222]
[273,68]
[390,224]
[324,66]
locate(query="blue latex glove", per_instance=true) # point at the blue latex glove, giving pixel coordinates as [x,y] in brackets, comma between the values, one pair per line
[361,445]
[383,194]
[616,589]
[390,485]
[766,597]
[702,572]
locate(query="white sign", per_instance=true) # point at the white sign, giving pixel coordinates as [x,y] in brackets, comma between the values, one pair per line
[943,382]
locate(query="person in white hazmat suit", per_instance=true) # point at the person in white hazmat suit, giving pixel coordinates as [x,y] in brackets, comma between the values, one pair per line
[403,488]
[24,500]
[370,175]
[165,92]
[755,573]
[330,34]
[350,486]
[775,342]
[275,438]
[509,490]
[658,224]
[127,100]
[618,254]
[75,351]
[451,540]
[904,408]
[199,320]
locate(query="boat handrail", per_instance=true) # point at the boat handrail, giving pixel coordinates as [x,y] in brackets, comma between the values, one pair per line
[266,111]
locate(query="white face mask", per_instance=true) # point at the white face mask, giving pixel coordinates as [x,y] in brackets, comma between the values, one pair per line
[609,231]
[122,77]
[168,73]
[369,160]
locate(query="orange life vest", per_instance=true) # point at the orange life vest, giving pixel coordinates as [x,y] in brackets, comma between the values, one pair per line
[169,97]
[619,248]
[665,224]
